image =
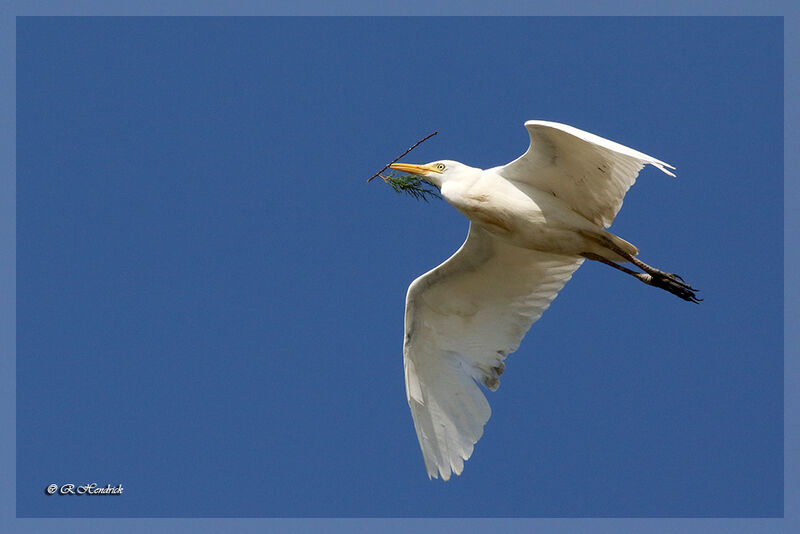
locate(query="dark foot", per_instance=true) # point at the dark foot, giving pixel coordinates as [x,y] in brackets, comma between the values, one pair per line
[672,283]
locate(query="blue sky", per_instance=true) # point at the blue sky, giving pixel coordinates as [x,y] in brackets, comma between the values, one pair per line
[210,297]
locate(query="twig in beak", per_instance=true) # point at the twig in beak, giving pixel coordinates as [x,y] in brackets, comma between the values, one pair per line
[403,154]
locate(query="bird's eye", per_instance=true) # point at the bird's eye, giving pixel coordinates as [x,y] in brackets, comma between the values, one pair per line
[440,166]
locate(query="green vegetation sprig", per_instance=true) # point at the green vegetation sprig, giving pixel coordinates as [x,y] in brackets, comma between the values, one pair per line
[417,187]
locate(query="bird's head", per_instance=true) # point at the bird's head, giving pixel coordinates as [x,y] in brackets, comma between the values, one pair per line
[436,172]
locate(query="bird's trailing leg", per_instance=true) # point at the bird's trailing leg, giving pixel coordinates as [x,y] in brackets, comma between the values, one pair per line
[651,276]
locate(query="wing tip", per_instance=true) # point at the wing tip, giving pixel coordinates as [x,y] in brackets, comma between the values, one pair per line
[436,471]
[660,165]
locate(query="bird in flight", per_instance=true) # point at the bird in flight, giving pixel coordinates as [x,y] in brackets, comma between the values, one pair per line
[532,224]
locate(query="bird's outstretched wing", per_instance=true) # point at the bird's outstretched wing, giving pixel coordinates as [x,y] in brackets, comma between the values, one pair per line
[462,319]
[589,173]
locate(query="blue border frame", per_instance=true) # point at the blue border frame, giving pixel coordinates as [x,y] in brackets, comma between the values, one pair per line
[10,9]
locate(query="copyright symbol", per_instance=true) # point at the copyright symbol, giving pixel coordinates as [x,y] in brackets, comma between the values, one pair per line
[51,489]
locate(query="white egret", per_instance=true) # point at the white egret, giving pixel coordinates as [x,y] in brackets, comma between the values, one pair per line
[532,224]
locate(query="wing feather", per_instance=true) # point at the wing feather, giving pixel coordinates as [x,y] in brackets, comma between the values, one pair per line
[462,319]
[590,173]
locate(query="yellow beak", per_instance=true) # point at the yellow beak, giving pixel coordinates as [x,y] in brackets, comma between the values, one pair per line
[408,167]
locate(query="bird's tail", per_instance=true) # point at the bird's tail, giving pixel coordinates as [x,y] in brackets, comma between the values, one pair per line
[609,242]
[630,248]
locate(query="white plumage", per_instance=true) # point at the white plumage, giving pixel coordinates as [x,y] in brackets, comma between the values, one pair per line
[532,224]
